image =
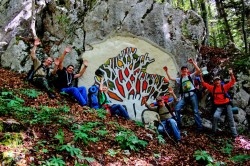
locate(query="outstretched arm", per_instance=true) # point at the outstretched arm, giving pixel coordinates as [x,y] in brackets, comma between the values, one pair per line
[201,77]
[169,77]
[33,51]
[101,84]
[56,64]
[170,90]
[230,71]
[85,63]
[197,69]
[61,58]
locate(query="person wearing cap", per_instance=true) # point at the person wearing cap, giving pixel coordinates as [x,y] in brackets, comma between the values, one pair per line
[65,77]
[166,116]
[221,102]
[41,75]
[105,103]
[187,92]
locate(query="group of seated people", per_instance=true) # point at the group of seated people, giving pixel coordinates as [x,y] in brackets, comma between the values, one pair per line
[169,121]
[63,81]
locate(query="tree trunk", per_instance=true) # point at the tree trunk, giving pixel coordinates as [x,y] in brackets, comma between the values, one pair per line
[223,16]
[33,20]
[204,16]
[243,27]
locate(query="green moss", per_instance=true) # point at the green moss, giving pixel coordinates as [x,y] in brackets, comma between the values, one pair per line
[11,139]
[1,126]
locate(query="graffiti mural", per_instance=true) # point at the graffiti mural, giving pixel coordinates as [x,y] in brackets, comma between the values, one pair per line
[128,81]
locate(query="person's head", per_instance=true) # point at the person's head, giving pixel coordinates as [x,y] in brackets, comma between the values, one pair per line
[70,69]
[184,70]
[160,101]
[217,80]
[48,61]
[105,89]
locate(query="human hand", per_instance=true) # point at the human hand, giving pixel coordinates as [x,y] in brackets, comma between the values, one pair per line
[37,41]
[56,61]
[85,62]
[170,90]
[165,68]
[191,61]
[67,49]
[230,71]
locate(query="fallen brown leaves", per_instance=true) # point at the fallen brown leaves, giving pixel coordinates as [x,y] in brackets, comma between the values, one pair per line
[153,154]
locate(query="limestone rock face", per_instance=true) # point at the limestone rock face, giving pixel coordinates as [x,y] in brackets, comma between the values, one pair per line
[59,24]
[101,31]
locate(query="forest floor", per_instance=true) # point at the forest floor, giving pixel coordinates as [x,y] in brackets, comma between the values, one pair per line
[60,132]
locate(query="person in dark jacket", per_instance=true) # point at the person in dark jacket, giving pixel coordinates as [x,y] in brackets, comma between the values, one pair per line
[65,80]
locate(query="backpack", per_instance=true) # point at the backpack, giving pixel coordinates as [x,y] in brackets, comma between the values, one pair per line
[32,72]
[196,91]
[168,107]
[226,95]
[93,97]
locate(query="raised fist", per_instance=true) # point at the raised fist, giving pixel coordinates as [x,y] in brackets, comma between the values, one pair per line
[165,68]
[230,71]
[190,61]
[85,62]
[37,41]
[67,49]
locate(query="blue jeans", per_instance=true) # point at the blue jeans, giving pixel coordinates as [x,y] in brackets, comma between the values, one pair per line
[79,93]
[194,102]
[170,126]
[217,115]
[118,109]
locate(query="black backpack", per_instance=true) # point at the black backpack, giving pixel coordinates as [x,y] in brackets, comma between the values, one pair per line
[168,107]
[32,72]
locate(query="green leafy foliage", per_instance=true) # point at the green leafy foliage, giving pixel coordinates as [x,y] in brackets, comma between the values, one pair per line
[227,149]
[83,132]
[31,93]
[128,140]
[102,132]
[240,158]
[138,123]
[72,150]
[60,136]
[112,152]
[203,155]
[54,161]
[101,113]
[161,140]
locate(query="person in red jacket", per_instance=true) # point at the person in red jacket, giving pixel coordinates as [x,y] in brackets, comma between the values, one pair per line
[221,101]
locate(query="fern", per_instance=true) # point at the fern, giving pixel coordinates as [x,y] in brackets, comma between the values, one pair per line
[72,150]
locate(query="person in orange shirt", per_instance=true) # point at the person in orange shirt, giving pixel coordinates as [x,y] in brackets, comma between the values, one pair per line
[221,102]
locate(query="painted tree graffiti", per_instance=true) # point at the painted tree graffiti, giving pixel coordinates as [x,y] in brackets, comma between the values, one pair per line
[128,82]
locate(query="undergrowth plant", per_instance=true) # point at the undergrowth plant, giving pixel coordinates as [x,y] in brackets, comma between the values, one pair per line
[201,155]
[58,161]
[60,136]
[112,152]
[128,140]
[83,132]
[74,152]
[206,159]
[227,149]
[31,93]
[240,158]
